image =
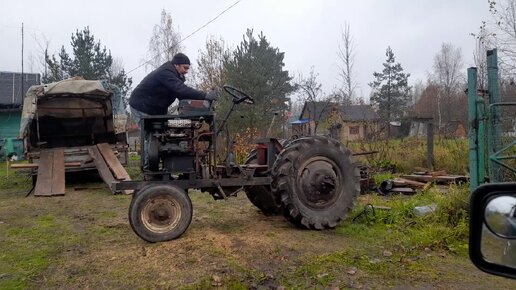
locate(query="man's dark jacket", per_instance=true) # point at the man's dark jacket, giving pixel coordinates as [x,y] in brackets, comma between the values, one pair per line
[159,89]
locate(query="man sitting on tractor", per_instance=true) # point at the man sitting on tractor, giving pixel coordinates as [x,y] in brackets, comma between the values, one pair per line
[160,88]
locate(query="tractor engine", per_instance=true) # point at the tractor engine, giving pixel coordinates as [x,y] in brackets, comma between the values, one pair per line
[179,144]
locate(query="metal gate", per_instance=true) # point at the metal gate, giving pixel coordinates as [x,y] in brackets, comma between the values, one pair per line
[492,129]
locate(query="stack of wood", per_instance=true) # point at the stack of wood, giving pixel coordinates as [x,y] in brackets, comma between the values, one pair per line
[439,177]
[51,167]
[419,181]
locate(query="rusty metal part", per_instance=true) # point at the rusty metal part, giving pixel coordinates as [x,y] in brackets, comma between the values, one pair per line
[318,182]
[196,183]
[161,214]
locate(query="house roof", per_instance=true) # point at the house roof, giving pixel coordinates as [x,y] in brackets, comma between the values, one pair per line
[359,113]
[322,109]
[11,95]
[354,113]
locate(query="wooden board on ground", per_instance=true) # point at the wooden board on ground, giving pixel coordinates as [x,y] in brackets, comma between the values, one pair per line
[112,161]
[51,177]
[404,190]
[102,167]
[443,179]
[58,173]
[402,182]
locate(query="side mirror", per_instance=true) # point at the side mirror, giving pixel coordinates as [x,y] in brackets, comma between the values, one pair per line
[492,237]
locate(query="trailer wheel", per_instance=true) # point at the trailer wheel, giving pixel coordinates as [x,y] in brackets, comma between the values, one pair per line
[316,182]
[160,213]
[261,195]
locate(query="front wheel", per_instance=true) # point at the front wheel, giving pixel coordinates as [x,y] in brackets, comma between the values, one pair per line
[160,213]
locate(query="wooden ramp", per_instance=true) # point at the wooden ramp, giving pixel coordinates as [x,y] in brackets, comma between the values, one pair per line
[51,173]
[108,165]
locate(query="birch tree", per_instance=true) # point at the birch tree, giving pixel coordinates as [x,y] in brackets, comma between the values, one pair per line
[164,43]
[346,54]
[447,74]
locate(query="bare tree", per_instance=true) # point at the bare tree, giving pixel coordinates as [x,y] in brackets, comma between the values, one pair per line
[210,64]
[117,66]
[346,55]
[504,13]
[42,49]
[312,96]
[484,40]
[417,91]
[447,67]
[164,43]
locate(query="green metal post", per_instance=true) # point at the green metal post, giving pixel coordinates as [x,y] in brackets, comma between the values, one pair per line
[495,131]
[481,139]
[473,126]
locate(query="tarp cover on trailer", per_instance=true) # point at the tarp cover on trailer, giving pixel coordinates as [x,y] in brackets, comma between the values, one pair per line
[73,86]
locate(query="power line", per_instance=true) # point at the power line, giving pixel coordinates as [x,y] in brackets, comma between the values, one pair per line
[188,36]
[19,27]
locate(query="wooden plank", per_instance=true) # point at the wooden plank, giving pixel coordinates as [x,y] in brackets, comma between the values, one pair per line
[439,179]
[438,173]
[102,167]
[112,161]
[404,190]
[58,173]
[35,165]
[44,181]
[402,182]
[427,186]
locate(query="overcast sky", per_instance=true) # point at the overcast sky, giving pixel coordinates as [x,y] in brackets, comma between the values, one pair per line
[308,31]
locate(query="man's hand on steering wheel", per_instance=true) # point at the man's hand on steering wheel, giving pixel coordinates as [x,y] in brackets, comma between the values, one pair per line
[212,95]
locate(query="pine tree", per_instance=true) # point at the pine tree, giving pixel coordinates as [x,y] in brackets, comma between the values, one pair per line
[258,69]
[390,90]
[90,60]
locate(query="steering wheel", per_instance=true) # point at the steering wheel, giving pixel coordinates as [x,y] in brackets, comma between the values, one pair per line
[238,95]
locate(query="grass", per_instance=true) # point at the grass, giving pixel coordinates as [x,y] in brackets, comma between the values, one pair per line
[83,240]
[451,155]
[445,229]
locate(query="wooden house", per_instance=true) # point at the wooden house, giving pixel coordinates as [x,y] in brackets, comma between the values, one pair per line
[342,122]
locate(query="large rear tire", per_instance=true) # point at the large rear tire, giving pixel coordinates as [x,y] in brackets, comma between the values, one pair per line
[159,213]
[261,195]
[316,182]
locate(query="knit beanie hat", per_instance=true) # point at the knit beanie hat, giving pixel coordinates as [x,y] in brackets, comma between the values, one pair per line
[180,58]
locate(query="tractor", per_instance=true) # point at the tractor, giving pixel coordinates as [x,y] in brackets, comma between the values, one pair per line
[312,181]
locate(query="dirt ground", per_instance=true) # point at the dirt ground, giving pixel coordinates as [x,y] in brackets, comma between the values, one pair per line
[83,241]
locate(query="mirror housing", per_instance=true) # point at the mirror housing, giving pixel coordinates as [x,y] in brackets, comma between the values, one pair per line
[492,245]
